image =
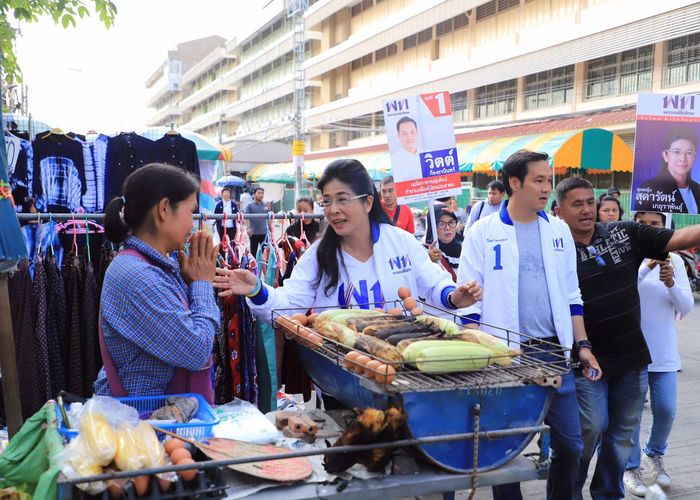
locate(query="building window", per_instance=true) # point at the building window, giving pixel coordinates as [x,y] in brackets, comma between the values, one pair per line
[358,63]
[360,7]
[507,4]
[682,60]
[458,100]
[385,52]
[443,28]
[409,42]
[549,88]
[486,10]
[418,38]
[623,73]
[460,21]
[496,99]
[425,36]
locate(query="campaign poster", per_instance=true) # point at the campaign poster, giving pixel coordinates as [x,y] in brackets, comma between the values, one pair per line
[422,146]
[666,175]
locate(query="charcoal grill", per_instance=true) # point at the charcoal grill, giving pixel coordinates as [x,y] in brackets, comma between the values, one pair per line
[492,399]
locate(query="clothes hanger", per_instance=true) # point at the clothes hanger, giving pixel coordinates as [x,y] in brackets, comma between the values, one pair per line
[52,228]
[87,239]
[302,235]
[38,247]
[75,239]
[172,130]
[79,227]
[54,131]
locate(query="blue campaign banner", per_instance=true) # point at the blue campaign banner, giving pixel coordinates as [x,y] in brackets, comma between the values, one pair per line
[440,162]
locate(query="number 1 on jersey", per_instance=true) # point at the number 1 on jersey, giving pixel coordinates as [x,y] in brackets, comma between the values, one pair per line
[497,250]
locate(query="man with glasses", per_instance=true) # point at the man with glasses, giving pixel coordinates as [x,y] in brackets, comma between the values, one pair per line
[526,263]
[608,258]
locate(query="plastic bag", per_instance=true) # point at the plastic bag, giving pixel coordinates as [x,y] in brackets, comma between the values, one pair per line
[152,449]
[76,461]
[98,422]
[243,421]
[129,455]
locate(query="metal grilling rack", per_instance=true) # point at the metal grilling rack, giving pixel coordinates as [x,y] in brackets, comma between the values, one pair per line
[540,362]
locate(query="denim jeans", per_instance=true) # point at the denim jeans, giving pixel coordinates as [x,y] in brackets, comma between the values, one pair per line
[610,411]
[566,444]
[662,388]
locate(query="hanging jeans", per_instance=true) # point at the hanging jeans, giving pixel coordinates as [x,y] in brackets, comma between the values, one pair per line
[662,388]
[610,411]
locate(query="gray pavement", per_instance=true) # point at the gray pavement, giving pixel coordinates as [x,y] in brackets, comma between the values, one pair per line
[683,455]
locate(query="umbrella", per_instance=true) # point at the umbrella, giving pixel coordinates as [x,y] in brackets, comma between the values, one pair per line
[230,180]
[206,149]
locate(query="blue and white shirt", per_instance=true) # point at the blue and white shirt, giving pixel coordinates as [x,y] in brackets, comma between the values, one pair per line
[60,184]
[95,159]
[148,329]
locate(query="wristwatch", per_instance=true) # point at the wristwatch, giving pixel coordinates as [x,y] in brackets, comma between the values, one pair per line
[583,344]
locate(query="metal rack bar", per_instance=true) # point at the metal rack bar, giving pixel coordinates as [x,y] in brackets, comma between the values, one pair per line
[99,216]
[209,464]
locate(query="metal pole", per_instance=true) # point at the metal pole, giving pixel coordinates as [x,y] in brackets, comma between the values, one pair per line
[295,11]
[337,450]
[8,362]
[80,218]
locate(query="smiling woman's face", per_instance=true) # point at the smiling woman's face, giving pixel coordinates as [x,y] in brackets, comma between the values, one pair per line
[345,215]
[680,157]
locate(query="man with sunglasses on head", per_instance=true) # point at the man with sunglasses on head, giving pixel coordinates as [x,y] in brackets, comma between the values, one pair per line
[608,258]
[525,261]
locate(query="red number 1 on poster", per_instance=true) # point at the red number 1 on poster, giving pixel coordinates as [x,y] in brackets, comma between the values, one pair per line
[438,103]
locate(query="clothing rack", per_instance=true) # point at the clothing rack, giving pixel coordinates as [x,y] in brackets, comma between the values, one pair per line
[42,216]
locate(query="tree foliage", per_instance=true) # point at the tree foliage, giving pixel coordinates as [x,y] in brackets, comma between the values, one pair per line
[63,12]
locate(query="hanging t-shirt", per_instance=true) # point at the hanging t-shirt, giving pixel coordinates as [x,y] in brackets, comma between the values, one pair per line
[359,285]
[176,150]
[95,158]
[126,152]
[58,181]
[19,168]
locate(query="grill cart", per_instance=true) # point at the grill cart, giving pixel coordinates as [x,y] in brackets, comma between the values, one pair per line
[505,401]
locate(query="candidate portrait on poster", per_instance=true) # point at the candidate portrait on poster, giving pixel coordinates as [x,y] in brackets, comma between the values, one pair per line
[666,171]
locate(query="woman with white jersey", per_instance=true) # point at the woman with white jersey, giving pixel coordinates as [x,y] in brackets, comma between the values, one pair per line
[664,293]
[361,260]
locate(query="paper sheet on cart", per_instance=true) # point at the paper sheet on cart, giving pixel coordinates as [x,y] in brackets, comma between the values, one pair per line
[422,146]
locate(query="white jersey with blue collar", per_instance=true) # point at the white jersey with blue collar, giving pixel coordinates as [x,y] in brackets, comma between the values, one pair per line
[398,260]
[490,256]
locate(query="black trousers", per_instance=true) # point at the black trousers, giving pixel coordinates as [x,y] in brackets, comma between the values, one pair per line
[231,231]
[255,241]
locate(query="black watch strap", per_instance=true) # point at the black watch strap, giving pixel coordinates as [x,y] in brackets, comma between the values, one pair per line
[584,344]
[449,301]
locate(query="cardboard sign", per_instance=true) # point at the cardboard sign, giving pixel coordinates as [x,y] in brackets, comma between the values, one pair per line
[666,175]
[422,146]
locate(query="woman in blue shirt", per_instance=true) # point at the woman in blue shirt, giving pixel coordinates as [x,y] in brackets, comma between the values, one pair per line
[158,315]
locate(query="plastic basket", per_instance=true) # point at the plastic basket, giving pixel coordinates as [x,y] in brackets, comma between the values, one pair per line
[146,405]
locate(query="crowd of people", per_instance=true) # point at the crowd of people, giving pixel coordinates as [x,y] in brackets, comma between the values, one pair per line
[579,277]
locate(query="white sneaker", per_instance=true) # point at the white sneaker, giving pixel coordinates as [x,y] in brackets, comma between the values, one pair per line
[634,482]
[658,471]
